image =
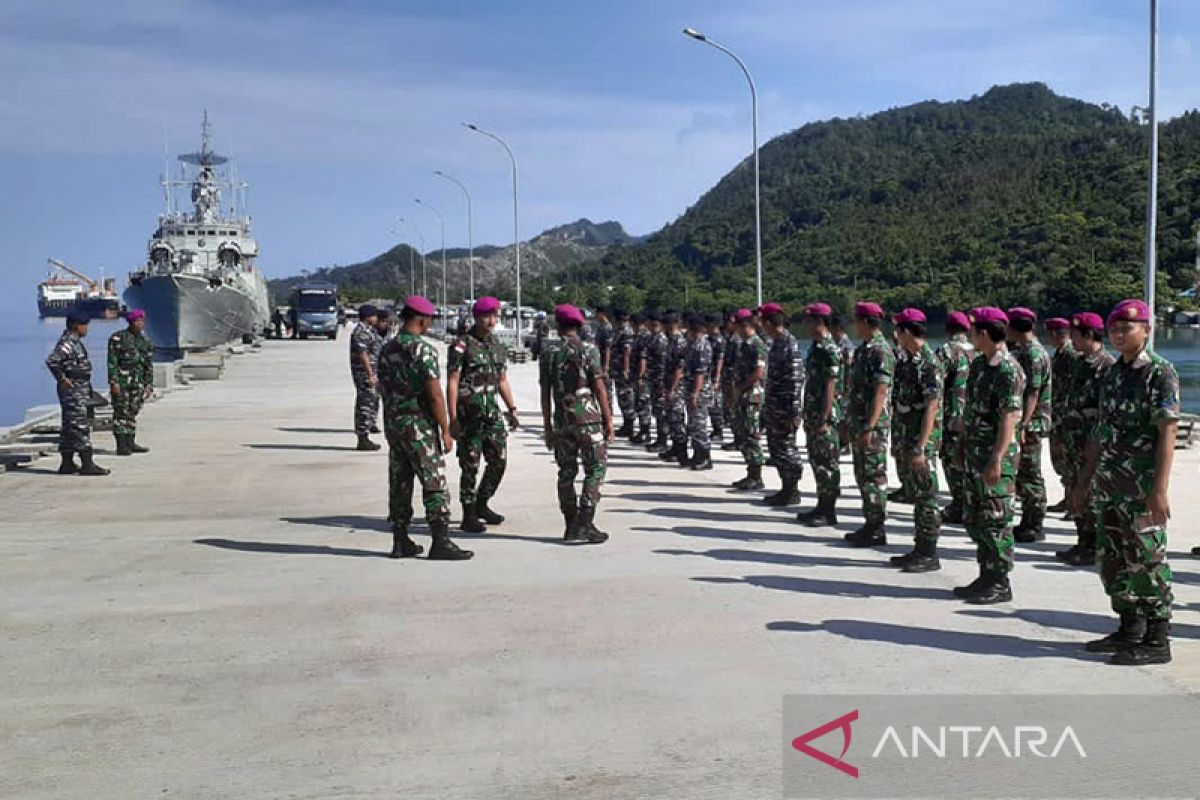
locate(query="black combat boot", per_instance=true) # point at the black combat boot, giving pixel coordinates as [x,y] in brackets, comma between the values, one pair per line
[674,453]
[587,530]
[718,433]
[486,514]
[642,436]
[731,446]
[68,466]
[365,443]
[374,428]
[471,523]
[924,558]
[995,589]
[1155,647]
[952,514]
[1058,507]
[900,561]
[1078,556]
[659,445]
[135,447]
[972,587]
[89,467]
[753,479]
[1196,551]
[1126,637]
[402,545]
[899,496]
[1030,529]
[572,531]
[703,460]
[443,549]
[788,495]
[626,429]
[123,440]
[870,535]
[824,514]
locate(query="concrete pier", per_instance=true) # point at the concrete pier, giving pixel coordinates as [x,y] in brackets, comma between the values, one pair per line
[216,620]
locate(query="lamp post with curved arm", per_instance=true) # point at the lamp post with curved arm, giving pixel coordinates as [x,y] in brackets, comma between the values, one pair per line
[516,220]
[441,220]
[470,231]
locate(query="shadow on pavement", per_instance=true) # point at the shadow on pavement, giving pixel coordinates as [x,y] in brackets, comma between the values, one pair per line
[343,431]
[350,521]
[1099,624]
[804,585]
[346,448]
[668,497]
[785,559]
[290,549]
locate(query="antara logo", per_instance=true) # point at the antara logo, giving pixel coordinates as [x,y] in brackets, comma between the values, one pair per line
[843,722]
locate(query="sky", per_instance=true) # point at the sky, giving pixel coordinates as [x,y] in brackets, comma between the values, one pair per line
[338,113]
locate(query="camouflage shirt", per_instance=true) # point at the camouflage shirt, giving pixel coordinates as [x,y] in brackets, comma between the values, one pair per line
[717,342]
[406,364]
[995,388]
[570,370]
[677,346]
[656,356]
[130,359]
[637,352]
[752,356]
[69,359]
[785,377]
[364,339]
[919,379]
[1061,378]
[698,360]
[1034,359]
[956,355]
[621,345]
[1081,392]
[481,363]
[873,364]
[824,364]
[1135,397]
[729,360]
[604,341]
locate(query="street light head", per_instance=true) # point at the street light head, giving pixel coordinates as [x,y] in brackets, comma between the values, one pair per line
[437,172]
[471,126]
[694,34]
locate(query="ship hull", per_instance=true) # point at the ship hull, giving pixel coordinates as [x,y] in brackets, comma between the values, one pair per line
[187,312]
[94,307]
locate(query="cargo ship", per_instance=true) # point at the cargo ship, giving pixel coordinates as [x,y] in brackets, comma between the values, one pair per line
[67,289]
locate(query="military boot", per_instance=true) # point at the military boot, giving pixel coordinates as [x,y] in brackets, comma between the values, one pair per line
[1155,647]
[402,545]
[1058,507]
[972,587]
[659,445]
[718,433]
[587,530]
[572,532]
[1126,637]
[135,447]
[900,561]
[68,466]
[88,466]
[953,514]
[1196,551]
[899,496]
[788,495]
[123,448]
[642,436]
[443,548]
[685,456]
[731,446]
[995,589]
[752,481]
[471,523]
[924,558]
[703,460]
[870,535]
[824,514]
[486,514]
[365,444]
[374,428]
[626,429]
[673,453]
[1030,529]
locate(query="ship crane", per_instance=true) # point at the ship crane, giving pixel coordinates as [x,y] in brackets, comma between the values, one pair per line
[92,285]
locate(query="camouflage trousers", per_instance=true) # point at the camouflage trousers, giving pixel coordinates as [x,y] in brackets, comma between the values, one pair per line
[677,416]
[954,461]
[584,445]
[823,450]
[366,405]
[481,439]
[75,435]
[658,405]
[1057,443]
[922,486]
[1132,554]
[1086,525]
[781,445]
[697,422]
[989,515]
[870,474]
[610,391]
[1031,486]
[126,403]
[716,411]
[643,404]
[747,430]
[626,399]
[415,454]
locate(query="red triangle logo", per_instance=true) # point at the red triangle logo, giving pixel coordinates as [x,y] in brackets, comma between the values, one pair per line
[843,722]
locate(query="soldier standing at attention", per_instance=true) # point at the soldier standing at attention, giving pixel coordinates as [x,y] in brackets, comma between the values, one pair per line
[68,362]
[1059,332]
[364,341]
[698,387]
[729,372]
[130,380]
[1035,423]
[995,392]
[956,355]
[578,423]
[418,434]
[847,349]
[676,402]
[541,330]
[748,400]
[476,385]
[655,376]
[1126,477]
[601,335]
[822,384]
[716,340]
[783,404]
[918,401]
[871,374]
[621,363]
[637,379]
[1080,422]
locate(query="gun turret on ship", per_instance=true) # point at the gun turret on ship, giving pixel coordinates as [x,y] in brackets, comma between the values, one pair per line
[199,287]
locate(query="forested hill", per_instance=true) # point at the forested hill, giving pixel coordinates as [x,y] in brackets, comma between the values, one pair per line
[1016,196]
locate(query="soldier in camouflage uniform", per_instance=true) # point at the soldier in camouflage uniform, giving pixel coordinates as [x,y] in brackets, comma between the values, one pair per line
[995,390]
[1035,423]
[698,389]
[71,367]
[716,340]
[365,344]
[418,434]
[871,375]
[1058,330]
[639,387]
[130,380]
[541,332]
[847,349]
[729,371]
[955,355]
[822,385]
[917,397]
[602,335]
[783,403]
[621,366]
[673,394]
[655,376]
[748,399]
[1127,476]
[476,385]
[1080,422]
[578,423]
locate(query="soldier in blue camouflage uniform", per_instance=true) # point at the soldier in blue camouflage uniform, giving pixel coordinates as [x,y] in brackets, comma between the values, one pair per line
[130,379]
[418,433]
[783,403]
[698,389]
[578,423]
[917,397]
[1035,423]
[995,392]
[1080,422]
[639,387]
[1127,476]
[365,344]
[869,396]
[673,394]
[1061,365]
[655,376]
[748,400]
[956,355]
[822,385]
[476,386]
[71,367]
[716,340]
[621,366]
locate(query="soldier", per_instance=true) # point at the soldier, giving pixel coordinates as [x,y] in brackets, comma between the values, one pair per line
[68,362]
[383,327]
[655,375]
[847,349]
[572,383]
[748,400]
[728,384]
[698,389]
[995,390]
[476,384]
[716,340]
[1127,475]
[904,493]
[870,388]
[621,363]
[130,380]
[418,434]
[601,334]
[1058,329]
[1080,421]
[822,385]
[639,387]
[541,330]
[1035,423]
[364,349]
[918,430]
[674,395]
[783,403]
[956,355]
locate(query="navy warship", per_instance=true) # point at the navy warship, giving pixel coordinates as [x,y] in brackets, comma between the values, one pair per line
[199,287]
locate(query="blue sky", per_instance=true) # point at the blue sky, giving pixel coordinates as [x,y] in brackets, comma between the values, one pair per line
[339,113]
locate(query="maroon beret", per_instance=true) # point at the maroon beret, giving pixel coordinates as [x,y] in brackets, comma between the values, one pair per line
[419,305]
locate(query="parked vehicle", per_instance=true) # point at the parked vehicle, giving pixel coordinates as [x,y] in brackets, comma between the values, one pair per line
[314,310]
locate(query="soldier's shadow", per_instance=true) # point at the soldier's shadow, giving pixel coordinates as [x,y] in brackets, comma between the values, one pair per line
[290,549]
[355,522]
[1098,624]
[315,447]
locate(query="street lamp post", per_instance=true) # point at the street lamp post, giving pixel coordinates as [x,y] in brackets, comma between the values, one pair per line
[424,264]
[441,220]
[412,273]
[758,269]
[470,231]
[516,220]
[1152,201]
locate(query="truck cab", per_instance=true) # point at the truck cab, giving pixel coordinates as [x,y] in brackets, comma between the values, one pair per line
[314,310]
